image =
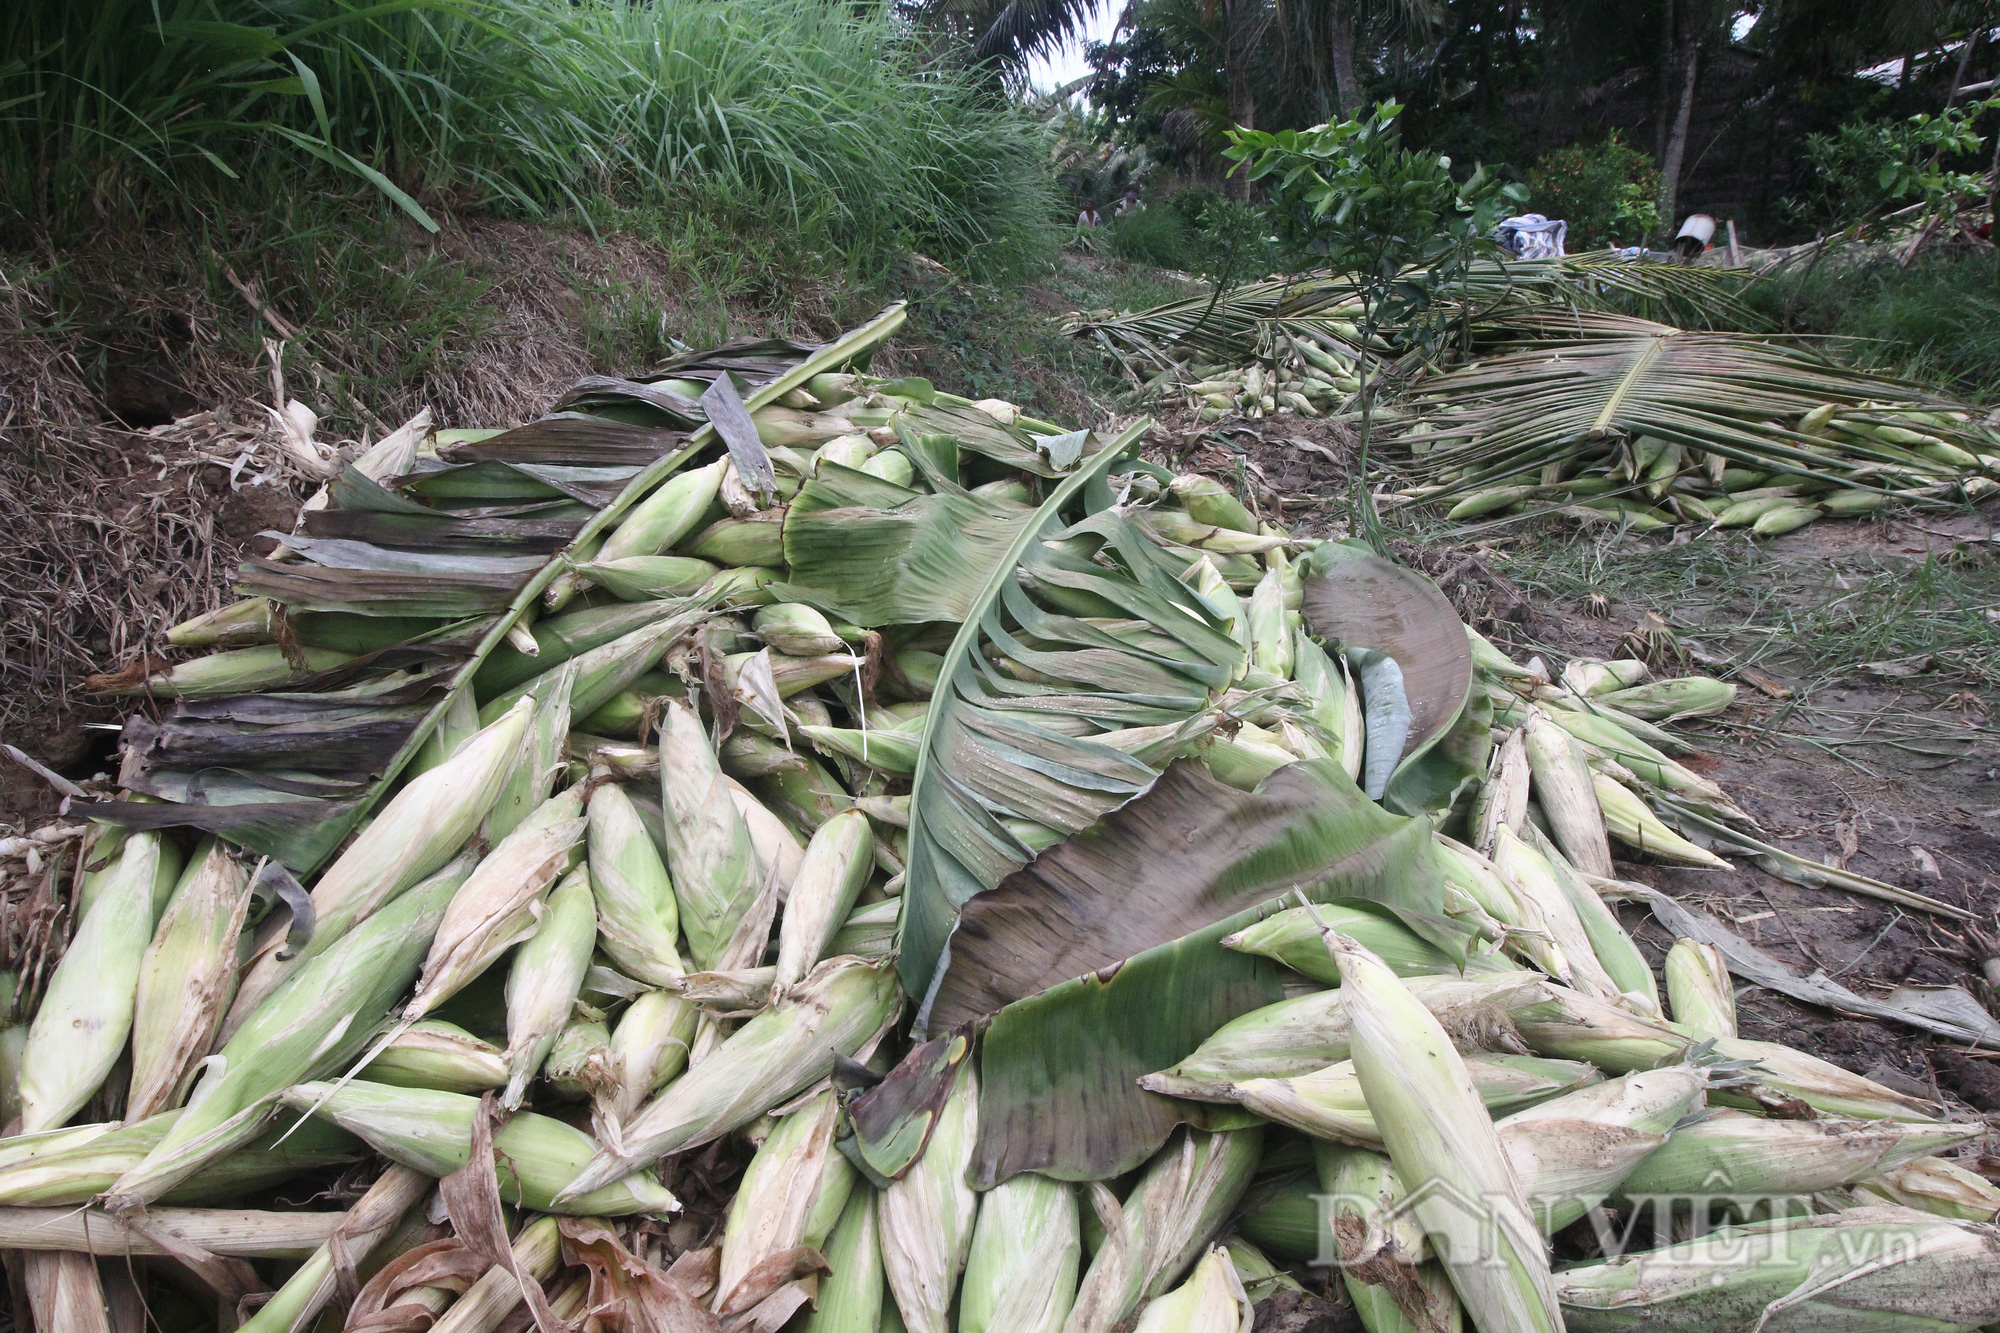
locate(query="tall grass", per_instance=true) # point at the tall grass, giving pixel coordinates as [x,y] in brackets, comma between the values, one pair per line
[1937,320]
[822,118]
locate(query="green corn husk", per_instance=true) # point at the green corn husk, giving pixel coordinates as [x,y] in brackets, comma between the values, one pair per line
[1475,876]
[1310,1032]
[440,1056]
[544,979]
[663,518]
[638,916]
[709,853]
[642,578]
[791,1194]
[1561,781]
[186,980]
[371,1222]
[231,671]
[837,864]
[1284,1221]
[1444,1147]
[926,1217]
[1180,1203]
[796,630]
[1784,519]
[602,673]
[1671,700]
[775,1055]
[419,829]
[1615,950]
[747,755]
[1502,798]
[78,1173]
[1328,1103]
[580,1061]
[1571,1152]
[891,752]
[1850,502]
[97,861]
[850,1296]
[1825,1087]
[1591,676]
[243,622]
[1380,1248]
[778,851]
[1699,990]
[1021,1272]
[869,932]
[1631,822]
[1866,1268]
[1178,528]
[648,1049]
[784,427]
[1212,1300]
[1566,1024]
[806,797]
[563,637]
[1208,501]
[494,909]
[1292,938]
[757,540]
[1332,701]
[891,465]
[794,674]
[749,586]
[1936,1186]
[537,1157]
[86,1012]
[1528,874]
[459,724]
[313,1026]
[1746,1156]
[541,759]
[1270,635]
[1487,501]
[1262,1278]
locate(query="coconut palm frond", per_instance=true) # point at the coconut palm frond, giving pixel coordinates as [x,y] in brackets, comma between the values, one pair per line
[1579,390]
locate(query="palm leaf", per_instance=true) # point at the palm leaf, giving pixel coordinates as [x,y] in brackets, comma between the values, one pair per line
[1578,384]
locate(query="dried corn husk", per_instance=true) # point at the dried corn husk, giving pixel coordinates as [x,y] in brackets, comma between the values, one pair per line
[792,1194]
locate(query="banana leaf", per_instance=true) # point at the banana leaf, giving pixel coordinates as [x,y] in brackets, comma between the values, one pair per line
[1058,1070]
[920,558]
[1188,853]
[569,460]
[449,532]
[986,755]
[1360,600]
[573,438]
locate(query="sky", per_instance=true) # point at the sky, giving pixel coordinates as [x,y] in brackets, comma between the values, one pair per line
[1066,62]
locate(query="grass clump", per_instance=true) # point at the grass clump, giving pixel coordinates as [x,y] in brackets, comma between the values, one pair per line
[1937,320]
[827,120]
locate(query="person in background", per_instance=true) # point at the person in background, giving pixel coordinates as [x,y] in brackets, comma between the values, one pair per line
[1129,203]
[1089,216]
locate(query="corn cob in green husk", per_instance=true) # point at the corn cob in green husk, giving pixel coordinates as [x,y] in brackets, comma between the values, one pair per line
[1699,990]
[441,1056]
[1934,1185]
[648,1049]
[544,979]
[78,1173]
[1445,1149]
[709,853]
[777,1054]
[537,1157]
[1178,1206]
[1021,1272]
[311,1027]
[851,1295]
[1866,1268]
[1381,1251]
[186,980]
[1571,1152]
[837,864]
[420,828]
[1745,1156]
[926,1216]
[1212,1300]
[86,1013]
[638,916]
[793,1193]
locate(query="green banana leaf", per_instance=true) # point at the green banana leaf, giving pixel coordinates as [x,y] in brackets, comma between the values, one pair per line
[1014,681]
[1059,1070]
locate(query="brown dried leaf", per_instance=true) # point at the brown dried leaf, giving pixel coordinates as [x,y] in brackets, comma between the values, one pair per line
[471,1196]
[627,1294]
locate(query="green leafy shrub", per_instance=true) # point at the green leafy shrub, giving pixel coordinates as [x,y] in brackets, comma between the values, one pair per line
[1605,191]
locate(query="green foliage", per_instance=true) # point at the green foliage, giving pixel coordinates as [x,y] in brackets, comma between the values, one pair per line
[829,120]
[1871,167]
[1157,236]
[1937,320]
[1605,191]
